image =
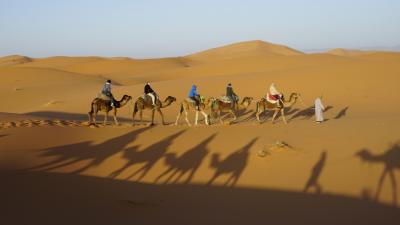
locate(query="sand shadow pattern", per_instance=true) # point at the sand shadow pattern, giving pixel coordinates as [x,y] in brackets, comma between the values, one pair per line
[234,164]
[149,156]
[75,153]
[391,160]
[187,163]
[312,181]
[341,113]
[307,113]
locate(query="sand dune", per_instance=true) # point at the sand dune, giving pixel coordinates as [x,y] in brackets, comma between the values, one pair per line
[219,173]
[245,49]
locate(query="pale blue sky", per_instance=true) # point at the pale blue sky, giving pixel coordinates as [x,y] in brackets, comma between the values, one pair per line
[158,28]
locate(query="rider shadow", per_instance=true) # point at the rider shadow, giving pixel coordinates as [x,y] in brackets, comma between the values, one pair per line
[188,162]
[315,174]
[84,151]
[234,164]
[342,113]
[150,156]
[391,160]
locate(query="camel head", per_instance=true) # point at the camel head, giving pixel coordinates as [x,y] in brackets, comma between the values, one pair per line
[126,98]
[170,158]
[170,99]
[215,160]
[364,154]
[247,101]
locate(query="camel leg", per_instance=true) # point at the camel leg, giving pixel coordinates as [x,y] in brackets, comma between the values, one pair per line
[105,118]
[283,115]
[133,116]
[187,119]
[196,118]
[394,186]
[94,117]
[273,117]
[205,117]
[115,116]
[378,191]
[177,118]
[152,116]
[141,115]
[162,116]
[234,115]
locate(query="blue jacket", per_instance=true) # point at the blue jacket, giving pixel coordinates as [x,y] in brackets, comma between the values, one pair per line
[193,91]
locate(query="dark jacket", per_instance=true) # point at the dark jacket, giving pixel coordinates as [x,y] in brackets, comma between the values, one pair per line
[229,92]
[148,89]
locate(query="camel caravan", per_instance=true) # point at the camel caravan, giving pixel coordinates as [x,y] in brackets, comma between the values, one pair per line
[209,108]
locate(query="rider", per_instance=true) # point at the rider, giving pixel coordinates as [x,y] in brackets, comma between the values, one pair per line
[150,92]
[194,96]
[275,94]
[107,92]
[231,95]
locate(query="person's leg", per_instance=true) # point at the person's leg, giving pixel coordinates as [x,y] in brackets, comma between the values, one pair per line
[153,98]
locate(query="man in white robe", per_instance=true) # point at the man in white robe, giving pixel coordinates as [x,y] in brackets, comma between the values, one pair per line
[319,108]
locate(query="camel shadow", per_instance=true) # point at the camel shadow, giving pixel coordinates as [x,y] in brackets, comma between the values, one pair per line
[188,162]
[85,151]
[307,113]
[312,181]
[52,115]
[391,160]
[150,156]
[342,113]
[234,164]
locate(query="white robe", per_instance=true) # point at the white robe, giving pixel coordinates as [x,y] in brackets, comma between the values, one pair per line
[319,117]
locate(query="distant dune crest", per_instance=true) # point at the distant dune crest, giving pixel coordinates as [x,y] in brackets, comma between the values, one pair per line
[348,52]
[248,48]
[14,60]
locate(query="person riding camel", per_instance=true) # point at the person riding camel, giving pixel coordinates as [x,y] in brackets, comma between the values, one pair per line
[151,93]
[232,96]
[195,96]
[107,92]
[275,95]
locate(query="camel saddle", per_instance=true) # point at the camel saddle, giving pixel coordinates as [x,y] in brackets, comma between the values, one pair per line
[103,97]
[272,99]
[225,99]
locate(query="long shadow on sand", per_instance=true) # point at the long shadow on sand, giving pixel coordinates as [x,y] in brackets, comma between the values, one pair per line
[234,164]
[85,151]
[307,113]
[391,161]
[341,113]
[187,163]
[52,198]
[149,156]
[70,116]
[312,182]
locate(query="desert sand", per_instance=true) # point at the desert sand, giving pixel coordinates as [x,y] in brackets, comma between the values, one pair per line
[55,169]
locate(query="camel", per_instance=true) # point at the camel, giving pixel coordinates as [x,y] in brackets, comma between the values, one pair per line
[188,104]
[219,106]
[264,105]
[146,103]
[99,104]
[391,160]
